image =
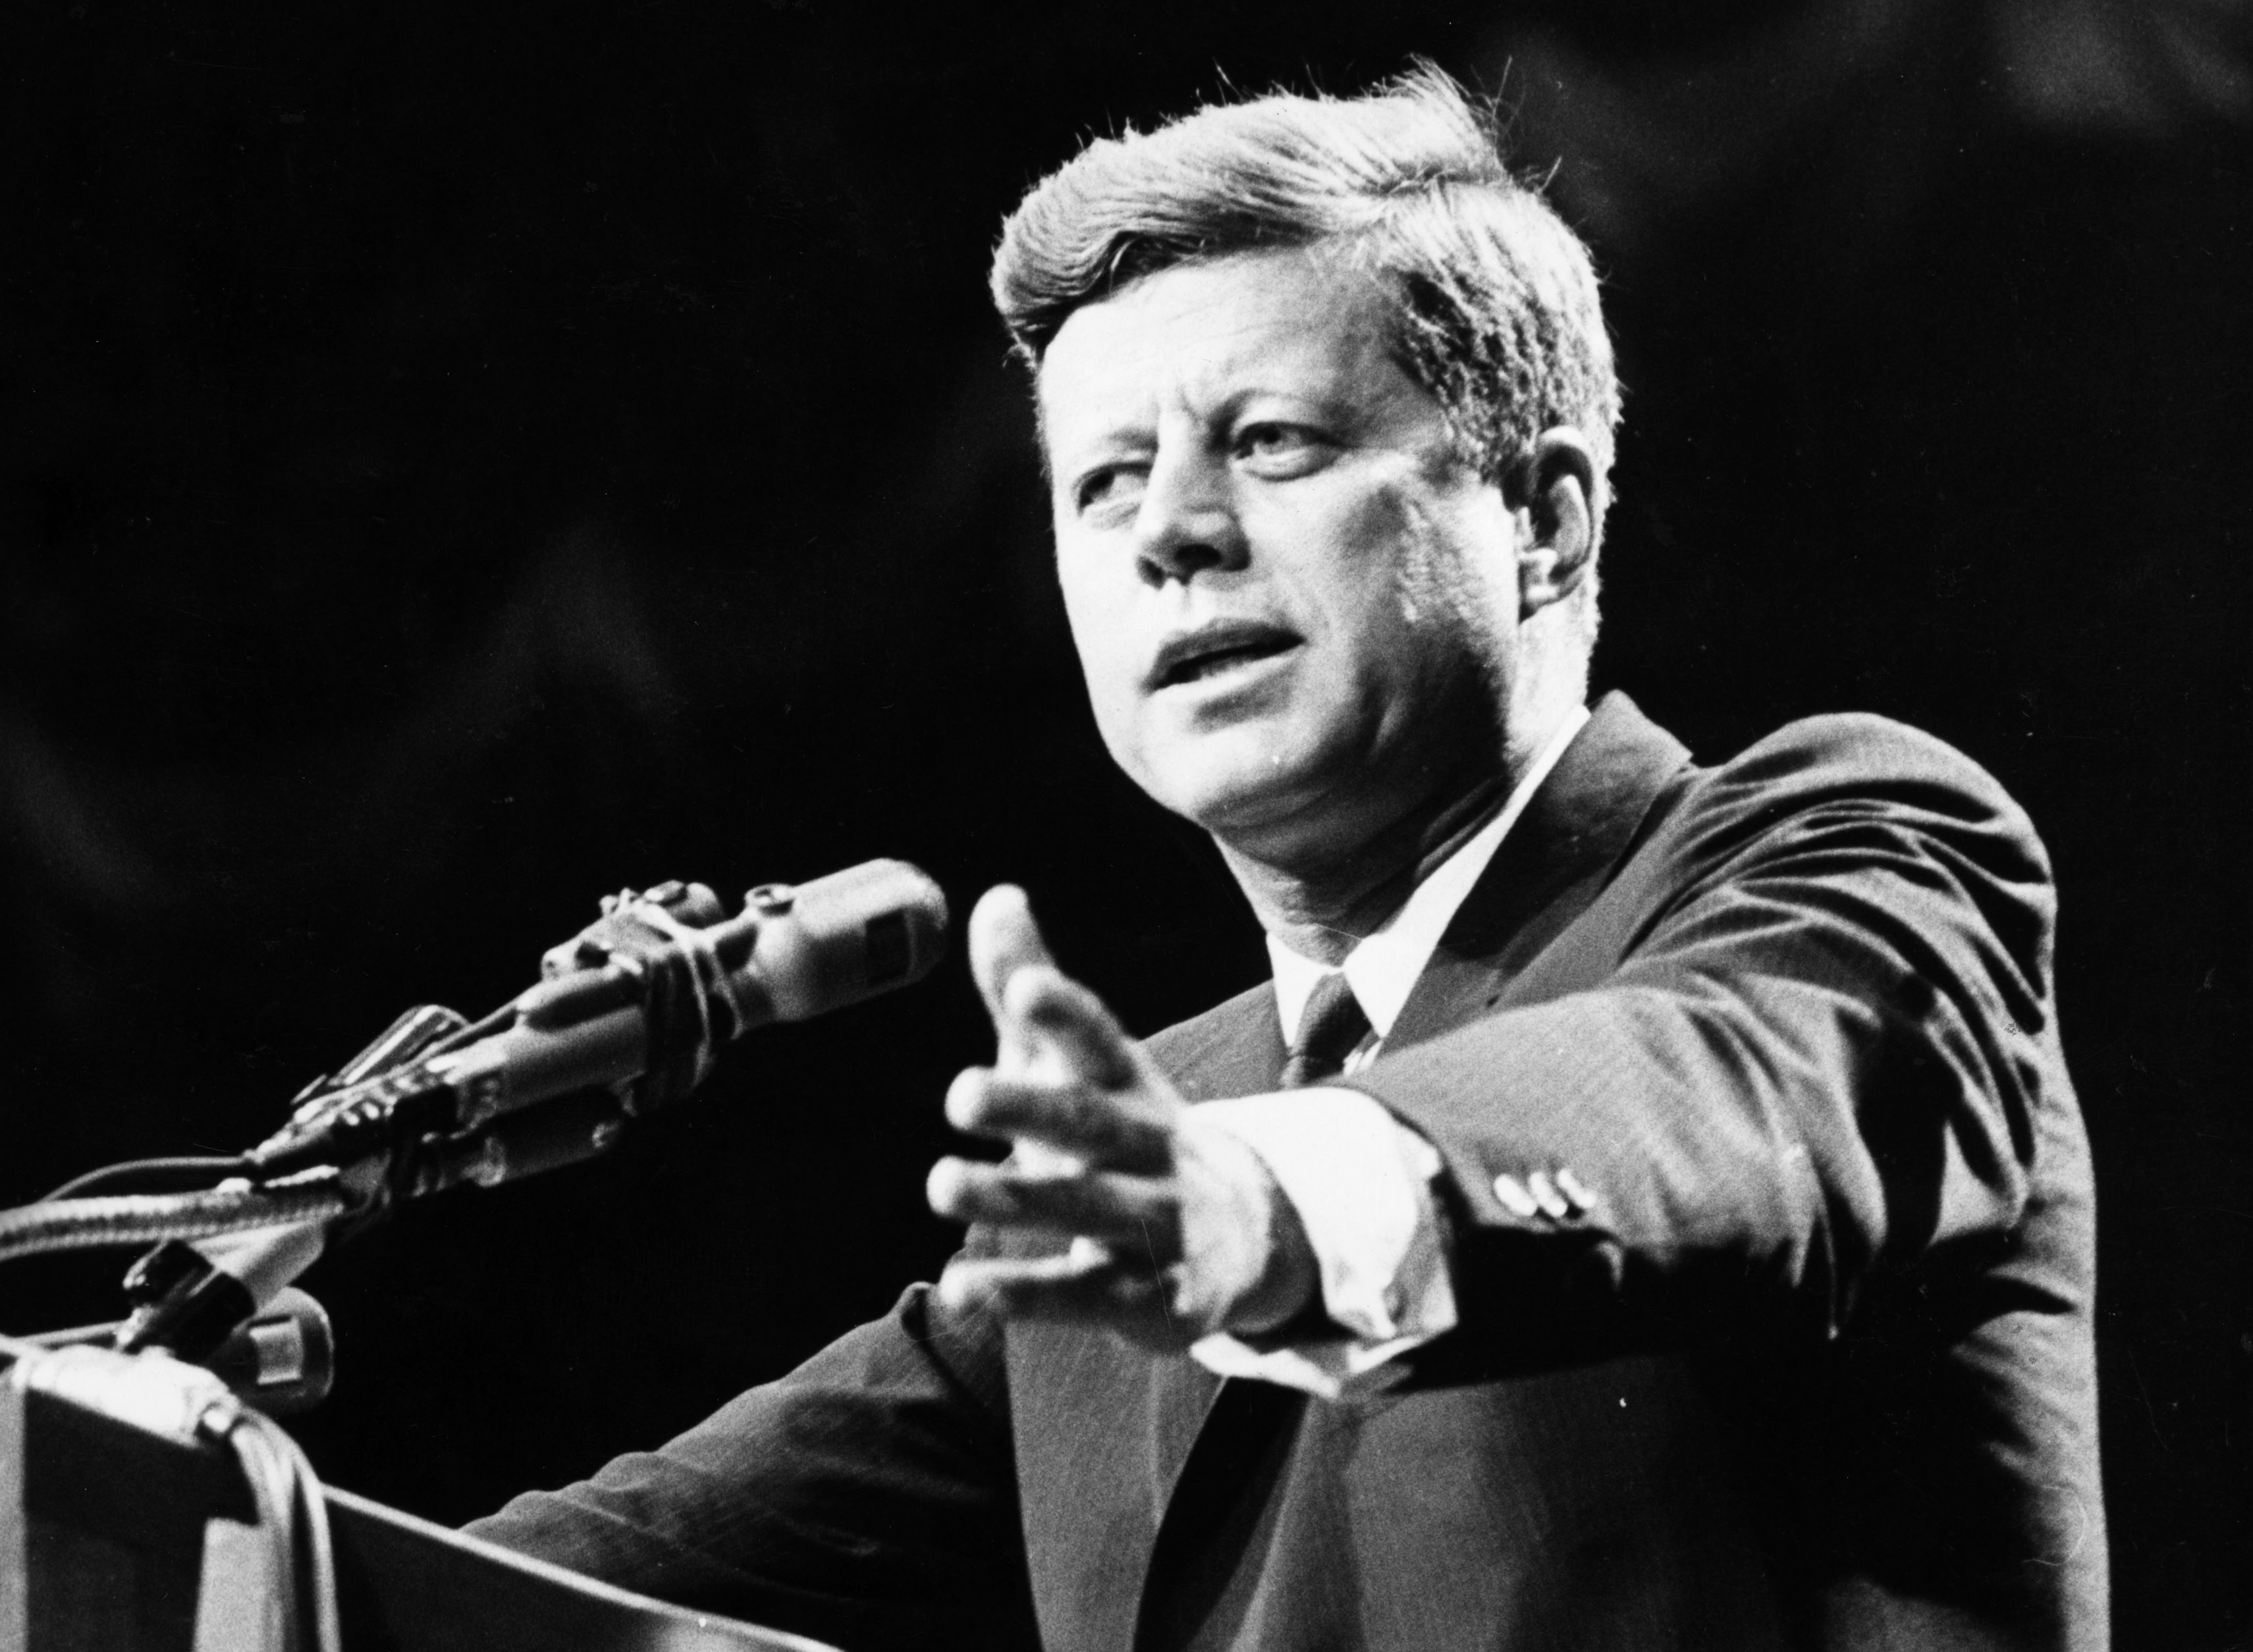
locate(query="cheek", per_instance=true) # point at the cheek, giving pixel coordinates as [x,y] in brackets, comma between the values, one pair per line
[1384,589]
[1440,603]
[1100,637]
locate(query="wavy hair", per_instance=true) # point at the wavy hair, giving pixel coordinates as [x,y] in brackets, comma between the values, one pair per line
[1494,298]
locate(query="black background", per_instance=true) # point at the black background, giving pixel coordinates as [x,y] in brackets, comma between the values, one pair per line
[462,459]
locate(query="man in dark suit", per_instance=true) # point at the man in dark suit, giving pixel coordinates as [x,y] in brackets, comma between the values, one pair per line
[1647,1209]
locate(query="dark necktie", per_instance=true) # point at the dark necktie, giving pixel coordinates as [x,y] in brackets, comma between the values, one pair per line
[1329,1027]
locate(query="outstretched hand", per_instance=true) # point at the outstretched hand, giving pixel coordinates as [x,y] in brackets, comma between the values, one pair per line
[1176,1228]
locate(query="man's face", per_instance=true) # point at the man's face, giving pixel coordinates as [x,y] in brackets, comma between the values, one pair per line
[1293,601]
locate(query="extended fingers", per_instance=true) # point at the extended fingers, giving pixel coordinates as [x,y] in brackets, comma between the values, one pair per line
[1096,1204]
[1117,1130]
[1033,1004]
[1057,1013]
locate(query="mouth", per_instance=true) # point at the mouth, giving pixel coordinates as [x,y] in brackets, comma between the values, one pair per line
[1222,646]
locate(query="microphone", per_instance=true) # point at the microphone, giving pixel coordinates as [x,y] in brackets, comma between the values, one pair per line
[630,1015]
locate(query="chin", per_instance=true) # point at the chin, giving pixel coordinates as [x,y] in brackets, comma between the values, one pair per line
[1241,788]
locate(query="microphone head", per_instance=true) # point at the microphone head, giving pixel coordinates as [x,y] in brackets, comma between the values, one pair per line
[843,937]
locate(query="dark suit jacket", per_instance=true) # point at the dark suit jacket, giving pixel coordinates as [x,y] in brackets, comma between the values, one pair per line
[1814,1368]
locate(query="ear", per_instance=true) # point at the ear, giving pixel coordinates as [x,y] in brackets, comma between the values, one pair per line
[1559,483]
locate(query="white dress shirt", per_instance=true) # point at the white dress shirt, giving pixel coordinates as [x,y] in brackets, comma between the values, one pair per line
[1360,1179]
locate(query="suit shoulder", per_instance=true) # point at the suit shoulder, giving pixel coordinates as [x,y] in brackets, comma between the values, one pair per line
[1845,784]
[1847,755]
[1849,743]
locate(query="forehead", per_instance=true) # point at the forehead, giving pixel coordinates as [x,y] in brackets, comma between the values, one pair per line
[1205,336]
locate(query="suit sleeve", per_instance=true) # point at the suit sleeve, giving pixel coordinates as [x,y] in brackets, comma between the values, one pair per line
[868,1498]
[1821,1048]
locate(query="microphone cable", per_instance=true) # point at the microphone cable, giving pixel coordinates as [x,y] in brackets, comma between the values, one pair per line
[294,1516]
[317,1195]
[165,1176]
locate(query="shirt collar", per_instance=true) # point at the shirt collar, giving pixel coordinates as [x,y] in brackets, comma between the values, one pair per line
[1385,963]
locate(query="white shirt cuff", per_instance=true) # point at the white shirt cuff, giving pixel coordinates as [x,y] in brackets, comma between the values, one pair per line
[1361,1182]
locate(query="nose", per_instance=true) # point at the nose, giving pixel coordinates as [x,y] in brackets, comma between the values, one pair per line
[1187,524]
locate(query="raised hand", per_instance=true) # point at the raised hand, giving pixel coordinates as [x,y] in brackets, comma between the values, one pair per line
[1176,1228]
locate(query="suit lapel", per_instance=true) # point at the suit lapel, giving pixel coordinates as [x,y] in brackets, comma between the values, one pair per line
[1103,1430]
[1235,1052]
[1233,1049]
[1554,861]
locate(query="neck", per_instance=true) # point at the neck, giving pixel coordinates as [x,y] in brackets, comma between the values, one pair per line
[1321,896]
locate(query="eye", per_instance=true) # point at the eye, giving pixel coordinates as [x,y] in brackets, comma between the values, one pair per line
[1271,447]
[1107,488]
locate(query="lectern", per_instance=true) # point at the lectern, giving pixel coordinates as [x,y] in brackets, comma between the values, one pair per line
[118,1535]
